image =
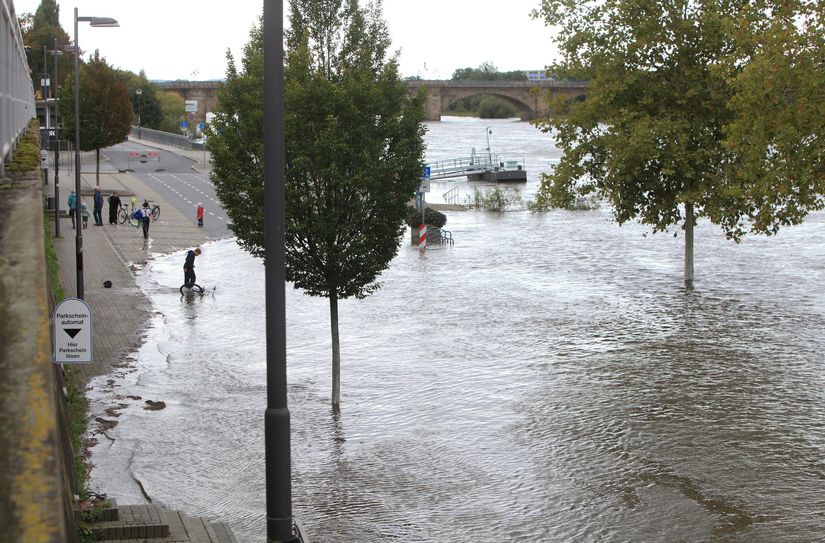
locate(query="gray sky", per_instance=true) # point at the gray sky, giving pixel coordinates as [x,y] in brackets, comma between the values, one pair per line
[187,39]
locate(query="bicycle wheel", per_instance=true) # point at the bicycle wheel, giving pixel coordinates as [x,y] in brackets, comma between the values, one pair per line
[155,213]
[133,220]
[195,289]
[121,215]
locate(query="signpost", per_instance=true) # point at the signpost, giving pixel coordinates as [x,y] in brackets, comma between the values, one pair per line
[72,332]
[423,189]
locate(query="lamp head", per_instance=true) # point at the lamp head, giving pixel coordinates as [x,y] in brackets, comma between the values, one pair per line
[106,22]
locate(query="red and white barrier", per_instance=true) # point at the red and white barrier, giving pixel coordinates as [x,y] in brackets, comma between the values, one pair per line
[422,236]
[152,155]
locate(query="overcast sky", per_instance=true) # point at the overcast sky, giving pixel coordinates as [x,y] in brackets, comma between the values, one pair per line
[188,39]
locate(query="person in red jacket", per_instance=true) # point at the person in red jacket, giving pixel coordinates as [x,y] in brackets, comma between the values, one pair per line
[200,214]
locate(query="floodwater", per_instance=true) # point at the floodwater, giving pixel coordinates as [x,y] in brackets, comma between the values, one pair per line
[546,379]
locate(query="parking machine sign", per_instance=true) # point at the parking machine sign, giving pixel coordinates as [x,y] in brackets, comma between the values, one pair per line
[72,332]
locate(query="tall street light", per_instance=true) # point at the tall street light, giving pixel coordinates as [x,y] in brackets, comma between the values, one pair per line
[93,21]
[56,92]
[279,522]
[139,93]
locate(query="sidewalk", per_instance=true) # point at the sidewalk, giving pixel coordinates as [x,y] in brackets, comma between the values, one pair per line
[114,253]
[120,314]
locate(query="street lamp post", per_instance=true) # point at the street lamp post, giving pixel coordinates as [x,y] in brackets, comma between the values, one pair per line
[93,21]
[279,522]
[56,53]
[139,93]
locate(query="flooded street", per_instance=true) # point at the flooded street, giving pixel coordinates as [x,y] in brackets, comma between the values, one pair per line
[546,379]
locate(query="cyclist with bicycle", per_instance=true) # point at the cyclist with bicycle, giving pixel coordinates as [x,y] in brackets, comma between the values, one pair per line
[144,215]
[189,267]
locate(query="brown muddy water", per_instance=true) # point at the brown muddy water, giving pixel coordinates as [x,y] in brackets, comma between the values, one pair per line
[546,379]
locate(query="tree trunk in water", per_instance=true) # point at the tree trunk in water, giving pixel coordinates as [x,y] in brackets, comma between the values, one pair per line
[97,168]
[689,245]
[336,352]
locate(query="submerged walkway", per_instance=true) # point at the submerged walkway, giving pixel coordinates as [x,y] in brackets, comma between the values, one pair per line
[121,313]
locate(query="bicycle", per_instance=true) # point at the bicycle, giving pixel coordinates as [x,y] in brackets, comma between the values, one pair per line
[155,213]
[124,213]
[195,289]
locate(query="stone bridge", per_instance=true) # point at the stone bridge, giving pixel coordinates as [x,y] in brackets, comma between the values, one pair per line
[205,92]
[527,96]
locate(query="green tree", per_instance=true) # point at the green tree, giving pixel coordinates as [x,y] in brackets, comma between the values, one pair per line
[777,134]
[105,109]
[39,31]
[663,132]
[172,109]
[354,152]
[147,105]
[487,71]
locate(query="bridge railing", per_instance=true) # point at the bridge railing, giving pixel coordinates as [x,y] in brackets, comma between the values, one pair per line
[16,91]
[159,136]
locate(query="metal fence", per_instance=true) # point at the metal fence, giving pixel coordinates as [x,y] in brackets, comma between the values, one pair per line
[158,136]
[16,91]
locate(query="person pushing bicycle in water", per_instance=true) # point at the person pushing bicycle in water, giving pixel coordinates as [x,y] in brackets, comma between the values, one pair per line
[189,267]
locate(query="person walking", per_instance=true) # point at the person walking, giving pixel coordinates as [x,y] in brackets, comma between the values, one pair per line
[72,206]
[84,213]
[189,268]
[114,205]
[144,214]
[98,207]
[200,214]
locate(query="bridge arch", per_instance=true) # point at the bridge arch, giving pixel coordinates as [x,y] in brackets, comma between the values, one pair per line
[524,110]
[528,96]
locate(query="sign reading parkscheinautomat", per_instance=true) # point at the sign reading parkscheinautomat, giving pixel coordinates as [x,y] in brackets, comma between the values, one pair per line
[72,332]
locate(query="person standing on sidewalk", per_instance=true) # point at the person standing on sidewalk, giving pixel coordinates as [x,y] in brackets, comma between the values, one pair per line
[72,206]
[98,207]
[84,213]
[189,268]
[145,217]
[114,205]
[200,214]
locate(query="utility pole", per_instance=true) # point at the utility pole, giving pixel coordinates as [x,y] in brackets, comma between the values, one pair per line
[279,523]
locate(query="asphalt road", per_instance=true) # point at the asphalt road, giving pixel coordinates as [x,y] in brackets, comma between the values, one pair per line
[172,176]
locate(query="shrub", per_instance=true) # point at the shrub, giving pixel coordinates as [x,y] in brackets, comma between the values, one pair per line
[492,107]
[497,199]
[431,216]
[27,155]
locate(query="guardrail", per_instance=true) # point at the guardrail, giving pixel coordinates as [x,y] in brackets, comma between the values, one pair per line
[16,91]
[168,138]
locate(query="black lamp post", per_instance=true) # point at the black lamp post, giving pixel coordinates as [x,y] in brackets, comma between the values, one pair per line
[279,522]
[56,53]
[93,21]
[139,93]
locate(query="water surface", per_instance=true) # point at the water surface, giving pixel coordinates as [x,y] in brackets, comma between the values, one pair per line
[548,378]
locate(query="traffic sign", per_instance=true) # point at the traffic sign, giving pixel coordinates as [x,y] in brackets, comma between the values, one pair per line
[426,173]
[424,186]
[190,105]
[72,332]
[191,116]
[183,124]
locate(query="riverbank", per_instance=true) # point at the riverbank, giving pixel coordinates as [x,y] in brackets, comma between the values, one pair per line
[114,253]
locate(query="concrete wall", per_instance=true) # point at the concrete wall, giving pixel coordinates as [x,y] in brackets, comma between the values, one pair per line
[35,477]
